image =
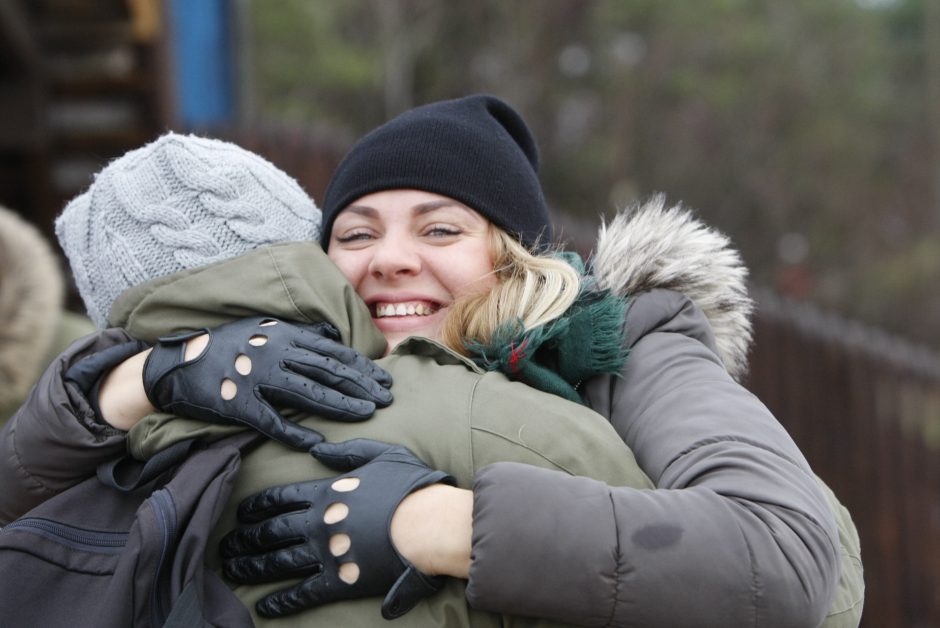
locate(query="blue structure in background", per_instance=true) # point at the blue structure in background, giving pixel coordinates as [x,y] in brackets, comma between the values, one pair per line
[201,44]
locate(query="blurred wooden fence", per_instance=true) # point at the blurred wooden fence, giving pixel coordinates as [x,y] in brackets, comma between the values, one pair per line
[865,409]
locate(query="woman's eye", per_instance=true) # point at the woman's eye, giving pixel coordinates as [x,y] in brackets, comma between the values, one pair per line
[441,231]
[354,236]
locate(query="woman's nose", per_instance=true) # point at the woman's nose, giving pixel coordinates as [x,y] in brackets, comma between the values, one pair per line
[392,259]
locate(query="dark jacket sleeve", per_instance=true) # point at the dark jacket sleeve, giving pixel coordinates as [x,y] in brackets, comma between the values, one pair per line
[54,440]
[737,533]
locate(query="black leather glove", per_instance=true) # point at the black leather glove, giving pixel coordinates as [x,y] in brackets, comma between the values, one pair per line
[289,538]
[296,366]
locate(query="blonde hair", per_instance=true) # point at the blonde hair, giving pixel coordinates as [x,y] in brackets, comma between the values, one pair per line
[531,289]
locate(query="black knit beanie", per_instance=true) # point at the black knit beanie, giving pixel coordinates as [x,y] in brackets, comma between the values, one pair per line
[476,150]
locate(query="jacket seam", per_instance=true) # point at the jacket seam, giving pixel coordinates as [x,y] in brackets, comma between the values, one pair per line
[470,402]
[557,465]
[618,569]
[85,415]
[287,290]
[858,602]
[755,579]
[26,474]
[705,442]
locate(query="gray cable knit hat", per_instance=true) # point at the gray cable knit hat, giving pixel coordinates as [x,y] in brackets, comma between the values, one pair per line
[179,202]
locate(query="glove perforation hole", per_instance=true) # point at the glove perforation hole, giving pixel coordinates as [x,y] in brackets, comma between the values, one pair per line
[229,389]
[349,573]
[258,340]
[195,347]
[243,364]
[340,544]
[268,322]
[345,485]
[335,513]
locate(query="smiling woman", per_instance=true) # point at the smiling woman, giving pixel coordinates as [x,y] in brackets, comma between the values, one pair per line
[400,250]
[428,265]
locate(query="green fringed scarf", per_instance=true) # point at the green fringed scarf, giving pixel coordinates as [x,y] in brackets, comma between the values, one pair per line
[556,357]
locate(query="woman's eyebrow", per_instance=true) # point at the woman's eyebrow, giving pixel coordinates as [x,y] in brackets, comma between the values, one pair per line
[419,209]
[362,210]
[424,208]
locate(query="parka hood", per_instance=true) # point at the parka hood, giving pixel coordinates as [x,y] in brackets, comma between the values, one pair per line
[650,245]
[31,292]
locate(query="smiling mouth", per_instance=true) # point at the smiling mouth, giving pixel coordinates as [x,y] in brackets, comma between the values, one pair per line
[407,308]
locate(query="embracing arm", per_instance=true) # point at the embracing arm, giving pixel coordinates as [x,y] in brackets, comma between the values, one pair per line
[57,439]
[737,532]
[748,540]
[54,440]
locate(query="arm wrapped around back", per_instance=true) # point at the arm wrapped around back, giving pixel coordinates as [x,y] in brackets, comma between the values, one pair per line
[55,440]
[749,540]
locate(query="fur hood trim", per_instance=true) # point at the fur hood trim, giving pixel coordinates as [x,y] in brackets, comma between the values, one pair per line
[31,292]
[651,246]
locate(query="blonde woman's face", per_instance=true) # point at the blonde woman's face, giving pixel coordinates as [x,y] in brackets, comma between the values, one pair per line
[410,254]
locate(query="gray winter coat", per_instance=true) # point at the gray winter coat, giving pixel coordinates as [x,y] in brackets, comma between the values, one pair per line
[748,541]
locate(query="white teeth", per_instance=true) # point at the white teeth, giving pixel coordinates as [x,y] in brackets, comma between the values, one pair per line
[402,309]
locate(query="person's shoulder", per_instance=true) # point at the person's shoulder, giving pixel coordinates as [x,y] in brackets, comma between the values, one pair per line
[512,421]
[663,310]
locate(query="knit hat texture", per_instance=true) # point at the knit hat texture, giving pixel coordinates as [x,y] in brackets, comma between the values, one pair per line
[477,150]
[179,202]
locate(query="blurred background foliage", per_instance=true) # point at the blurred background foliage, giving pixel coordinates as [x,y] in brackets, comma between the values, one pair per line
[808,130]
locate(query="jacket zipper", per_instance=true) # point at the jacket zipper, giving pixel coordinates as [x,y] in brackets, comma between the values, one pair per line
[165,514]
[71,536]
